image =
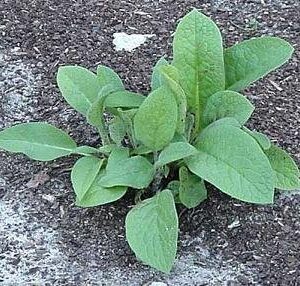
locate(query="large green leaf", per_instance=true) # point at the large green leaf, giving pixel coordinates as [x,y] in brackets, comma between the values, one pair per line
[250,60]
[198,55]
[135,172]
[192,190]
[107,76]
[233,161]
[125,99]
[152,231]
[155,120]
[261,138]
[156,81]
[227,104]
[79,87]
[286,170]
[174,152]
[39,141]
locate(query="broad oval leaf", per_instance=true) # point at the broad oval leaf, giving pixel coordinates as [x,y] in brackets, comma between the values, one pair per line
[152,231]
[227,104]
[39,141]
[192,190]
[174,152]
[155,120]
[156,81]
[233,161]
[79,87]
[107,76]
[125,99]
[286,170]
[198,55]
[136,172]
[252,59]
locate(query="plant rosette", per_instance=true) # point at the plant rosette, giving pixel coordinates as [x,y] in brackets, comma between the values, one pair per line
[188,131]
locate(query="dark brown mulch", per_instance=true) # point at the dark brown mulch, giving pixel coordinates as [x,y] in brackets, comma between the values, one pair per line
[44,34]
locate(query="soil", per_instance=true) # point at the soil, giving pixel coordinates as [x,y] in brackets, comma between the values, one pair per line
[45,239]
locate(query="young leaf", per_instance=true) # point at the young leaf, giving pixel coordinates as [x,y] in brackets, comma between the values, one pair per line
[198,55]
[86,150]
[39,141]
[135,172]
[261,138]
[84,174]
[117,155]
[227,104]
[192,190]
[250,60]
[156,76]
[152,231]
[117,130]
[174,152]
[124,99]
[107,76]
[155,120]
[79,87]
[286,170]
[233,161]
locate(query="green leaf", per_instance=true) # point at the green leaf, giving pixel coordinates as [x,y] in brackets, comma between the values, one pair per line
[250,60]
[227,104]
[173,186]
[79,87]
[152,231]
[192,190]
[286,170]
[39,141]
[117,130]
[135,172]
[189,125]
[84,174]
[156,76]
[155,120]
[117,155]
[174,152]
[198,55]
[125,99]
[86,150]
[107,76]
[261,138]
[233,161]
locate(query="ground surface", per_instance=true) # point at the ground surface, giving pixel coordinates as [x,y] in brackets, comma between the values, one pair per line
[45,239]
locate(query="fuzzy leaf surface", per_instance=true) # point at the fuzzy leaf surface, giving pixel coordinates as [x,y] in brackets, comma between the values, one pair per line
[156,81]
[125,99]
[107,76]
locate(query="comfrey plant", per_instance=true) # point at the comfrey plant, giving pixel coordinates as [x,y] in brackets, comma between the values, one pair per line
[188,131]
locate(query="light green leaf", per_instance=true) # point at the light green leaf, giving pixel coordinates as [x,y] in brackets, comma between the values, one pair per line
[174,152]
[125,99]
[152,231]
[189,125]
[286,170]
[198,55]
[79,87]
[155,120]
[107,149]
[261,138]
[192,189]
[117,155]
[250,60]
[156,76]
[39,141]
[173,186]
[84,174]
[141,150]
[107,76]
[86,150]
[227,104]
[233,161]
[135,172]
[117,130]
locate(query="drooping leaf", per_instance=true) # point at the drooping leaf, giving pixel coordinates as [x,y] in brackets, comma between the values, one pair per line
[135,172]
[39,141]
[156,76]
[285,168]
[250,60]
[107,76]
[152,231]
[198,55]
[174,152]
[261,138]
[124,99]
[155,120]
[233,161]
[192,190]
[117,130]
[84,174]
[227,104]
